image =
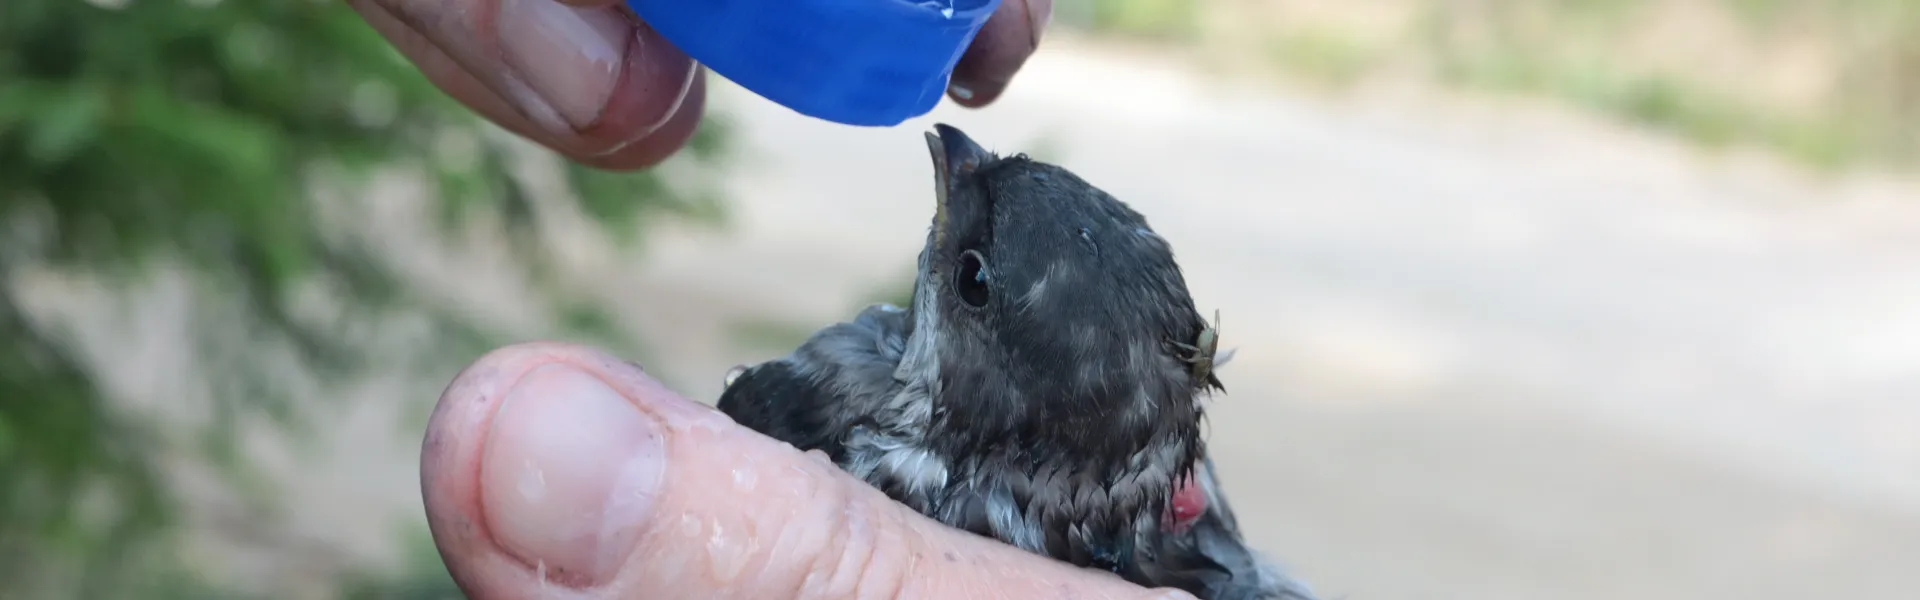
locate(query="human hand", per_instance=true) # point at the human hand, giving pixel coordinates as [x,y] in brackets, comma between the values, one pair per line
[588,80]
[556,471]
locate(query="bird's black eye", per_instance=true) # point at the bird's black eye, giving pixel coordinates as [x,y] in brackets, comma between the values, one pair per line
[970,281]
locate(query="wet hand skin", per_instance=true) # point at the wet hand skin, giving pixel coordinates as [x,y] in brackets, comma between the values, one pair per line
[587,79]
[557,471]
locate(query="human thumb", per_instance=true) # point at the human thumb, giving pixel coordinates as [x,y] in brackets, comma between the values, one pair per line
[557,471]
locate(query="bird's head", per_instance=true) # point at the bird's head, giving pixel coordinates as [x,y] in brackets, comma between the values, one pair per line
[1044,302]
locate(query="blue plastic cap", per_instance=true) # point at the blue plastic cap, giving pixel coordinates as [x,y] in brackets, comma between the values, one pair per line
[858,62]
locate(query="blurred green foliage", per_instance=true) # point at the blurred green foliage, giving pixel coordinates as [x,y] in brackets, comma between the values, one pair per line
[1322,55]
[1869,51]
[1159,20]
[135,134]
[422,577]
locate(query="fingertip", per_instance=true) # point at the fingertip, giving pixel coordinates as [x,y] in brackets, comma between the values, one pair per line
[571,473]
[962,93]
[1001,48]
[615,99]
[653,91]
[536,475]
[665,141]
[539,463]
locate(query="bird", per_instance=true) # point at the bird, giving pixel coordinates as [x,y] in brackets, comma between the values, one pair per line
[1044,386]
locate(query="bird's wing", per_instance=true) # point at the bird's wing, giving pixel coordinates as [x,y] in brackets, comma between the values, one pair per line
[811,397]
[1212,560]
[778,400]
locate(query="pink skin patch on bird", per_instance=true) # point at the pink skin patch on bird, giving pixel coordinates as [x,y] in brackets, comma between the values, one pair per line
[1185,507]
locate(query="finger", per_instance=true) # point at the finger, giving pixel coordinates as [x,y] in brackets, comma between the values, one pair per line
[1002,47]
[590,82]
[665,141]
[557,470]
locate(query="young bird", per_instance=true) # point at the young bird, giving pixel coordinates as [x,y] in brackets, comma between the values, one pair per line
[1042,389]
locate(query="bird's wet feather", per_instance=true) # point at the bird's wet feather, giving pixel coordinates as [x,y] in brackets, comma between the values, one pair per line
[1040,389]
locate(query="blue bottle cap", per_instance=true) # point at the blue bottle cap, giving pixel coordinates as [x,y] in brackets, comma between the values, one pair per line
[858,62]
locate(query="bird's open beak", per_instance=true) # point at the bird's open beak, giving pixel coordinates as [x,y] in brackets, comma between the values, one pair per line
[955,157]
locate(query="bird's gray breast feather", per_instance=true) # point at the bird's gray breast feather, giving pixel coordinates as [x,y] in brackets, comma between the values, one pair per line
[842,393]
[884,419]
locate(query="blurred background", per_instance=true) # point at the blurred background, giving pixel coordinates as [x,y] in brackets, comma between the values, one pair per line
[1571,299]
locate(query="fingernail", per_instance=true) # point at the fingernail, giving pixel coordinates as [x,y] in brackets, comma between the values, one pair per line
[571,59]
[571,470]
[960,90]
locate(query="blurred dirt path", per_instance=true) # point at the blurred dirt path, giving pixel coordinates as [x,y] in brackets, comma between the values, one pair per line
[1485,350]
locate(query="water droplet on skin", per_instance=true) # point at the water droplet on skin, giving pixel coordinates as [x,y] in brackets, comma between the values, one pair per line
[726,555]
[810,587]
[800,470]
[711,422]
[818,455]
[533,482]
[689,525]
[744,479]
[855,518]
